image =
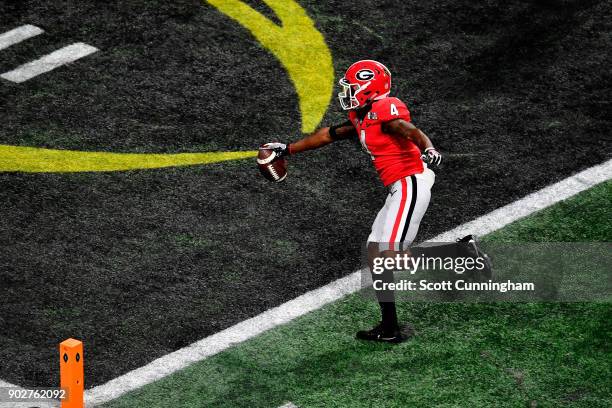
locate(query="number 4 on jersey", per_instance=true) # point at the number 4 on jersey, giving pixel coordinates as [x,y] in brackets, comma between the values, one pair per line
[394,111]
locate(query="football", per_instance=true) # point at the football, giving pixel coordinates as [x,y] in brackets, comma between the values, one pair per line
[272,168]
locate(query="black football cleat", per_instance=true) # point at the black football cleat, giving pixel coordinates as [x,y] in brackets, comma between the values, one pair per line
[377,333]
[474,251]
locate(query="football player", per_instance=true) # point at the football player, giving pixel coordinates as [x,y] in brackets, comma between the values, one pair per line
[400,153]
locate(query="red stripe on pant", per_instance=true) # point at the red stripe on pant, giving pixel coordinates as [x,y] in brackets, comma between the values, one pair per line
[398,218]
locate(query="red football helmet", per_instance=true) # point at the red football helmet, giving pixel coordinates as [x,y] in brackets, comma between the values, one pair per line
[364,82]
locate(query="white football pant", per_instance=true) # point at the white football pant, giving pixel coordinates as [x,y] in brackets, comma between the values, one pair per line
[397,223]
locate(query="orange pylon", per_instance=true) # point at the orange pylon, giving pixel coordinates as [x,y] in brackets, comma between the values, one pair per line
[71,372]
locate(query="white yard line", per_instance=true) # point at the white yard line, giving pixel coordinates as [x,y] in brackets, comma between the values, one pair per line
[18,35]
[49,62]
[218,342]
[331,292]
[533,202]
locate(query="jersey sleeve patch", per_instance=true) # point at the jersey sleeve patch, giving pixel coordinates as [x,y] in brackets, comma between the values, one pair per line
[389,109]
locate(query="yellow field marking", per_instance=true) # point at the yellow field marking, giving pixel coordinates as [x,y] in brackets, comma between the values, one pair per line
[298,45]
[37,160]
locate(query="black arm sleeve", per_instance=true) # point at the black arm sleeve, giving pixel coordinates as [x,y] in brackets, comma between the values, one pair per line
[344,130]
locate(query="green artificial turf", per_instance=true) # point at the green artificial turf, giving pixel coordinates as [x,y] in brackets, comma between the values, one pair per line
[463,355]
[584,218]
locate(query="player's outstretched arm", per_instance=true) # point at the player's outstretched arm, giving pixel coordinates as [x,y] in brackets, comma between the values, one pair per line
[319,138]
[322,137]
[403,128]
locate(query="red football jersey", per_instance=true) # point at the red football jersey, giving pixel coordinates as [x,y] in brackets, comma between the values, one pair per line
[394,157]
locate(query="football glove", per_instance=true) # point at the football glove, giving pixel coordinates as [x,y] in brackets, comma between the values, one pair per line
[432,156]
[281,149]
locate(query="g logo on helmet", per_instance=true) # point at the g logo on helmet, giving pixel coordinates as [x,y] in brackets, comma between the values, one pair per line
[364,74]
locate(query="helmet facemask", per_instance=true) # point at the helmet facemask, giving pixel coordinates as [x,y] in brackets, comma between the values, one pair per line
[348,95]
